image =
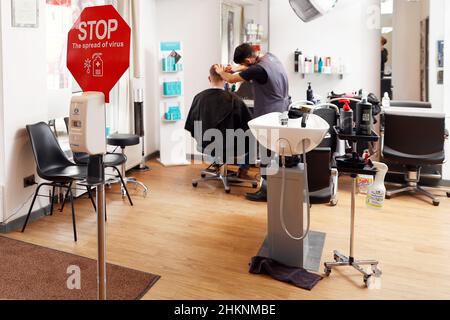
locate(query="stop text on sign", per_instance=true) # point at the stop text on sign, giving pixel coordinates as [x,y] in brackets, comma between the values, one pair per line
[100,30]
[98,50]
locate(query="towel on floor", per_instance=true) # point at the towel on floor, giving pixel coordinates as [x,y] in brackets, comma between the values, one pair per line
[297,276]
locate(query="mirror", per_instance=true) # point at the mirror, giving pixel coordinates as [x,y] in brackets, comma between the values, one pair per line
[412,50]
[243,21]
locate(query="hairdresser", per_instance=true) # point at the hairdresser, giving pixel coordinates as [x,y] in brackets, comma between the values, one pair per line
[271,91]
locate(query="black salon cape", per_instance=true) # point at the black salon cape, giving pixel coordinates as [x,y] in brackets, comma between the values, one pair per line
[217,109]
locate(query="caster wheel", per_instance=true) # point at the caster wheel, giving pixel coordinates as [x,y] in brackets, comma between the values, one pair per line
[336,258]
[228,191]
[334,202]
[195,184]
[436,203]
[327,272]
[254,185]
[367,281]
[203,176]
[448,194]
[388,197]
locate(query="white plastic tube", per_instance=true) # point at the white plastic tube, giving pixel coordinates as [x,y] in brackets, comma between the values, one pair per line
[306,195]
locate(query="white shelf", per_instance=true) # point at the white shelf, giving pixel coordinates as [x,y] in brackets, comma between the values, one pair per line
[304,75]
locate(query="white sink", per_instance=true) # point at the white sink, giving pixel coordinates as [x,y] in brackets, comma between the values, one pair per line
[288,140]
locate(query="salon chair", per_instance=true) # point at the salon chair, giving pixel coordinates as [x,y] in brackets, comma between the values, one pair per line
[330,113]
[53,166]
[414,141]
[218,171]
[322,178]
[123,141]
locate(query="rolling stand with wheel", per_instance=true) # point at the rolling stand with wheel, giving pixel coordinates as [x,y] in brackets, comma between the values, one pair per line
[353,165]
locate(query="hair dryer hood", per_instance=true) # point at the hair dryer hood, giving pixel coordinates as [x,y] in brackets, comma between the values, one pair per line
[309,10]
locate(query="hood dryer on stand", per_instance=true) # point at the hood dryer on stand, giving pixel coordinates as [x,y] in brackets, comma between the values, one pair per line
[288,194]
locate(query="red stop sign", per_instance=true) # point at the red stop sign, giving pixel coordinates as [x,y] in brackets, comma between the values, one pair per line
[98,49]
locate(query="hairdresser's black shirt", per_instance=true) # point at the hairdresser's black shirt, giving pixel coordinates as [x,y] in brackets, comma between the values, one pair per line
[255,73]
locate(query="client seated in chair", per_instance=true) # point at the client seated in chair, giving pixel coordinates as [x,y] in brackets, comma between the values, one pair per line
[218,111]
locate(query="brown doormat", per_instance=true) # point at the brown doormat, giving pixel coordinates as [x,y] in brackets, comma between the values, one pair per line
[30,272]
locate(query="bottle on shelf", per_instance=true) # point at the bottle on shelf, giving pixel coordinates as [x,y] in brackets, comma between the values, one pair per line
[386,102]
[310,93]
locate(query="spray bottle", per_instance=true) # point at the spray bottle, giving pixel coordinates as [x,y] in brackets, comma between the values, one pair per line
[346,117]
[377,191]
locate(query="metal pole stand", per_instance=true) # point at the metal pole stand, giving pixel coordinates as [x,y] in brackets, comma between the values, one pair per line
[139,126]
[96,179]
[142,167]
[341,260]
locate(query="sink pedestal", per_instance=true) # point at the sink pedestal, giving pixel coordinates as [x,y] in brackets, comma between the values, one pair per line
[278,245]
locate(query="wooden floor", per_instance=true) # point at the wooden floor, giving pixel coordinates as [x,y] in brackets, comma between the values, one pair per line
[201,240]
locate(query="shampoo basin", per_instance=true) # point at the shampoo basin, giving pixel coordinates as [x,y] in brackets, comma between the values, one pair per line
[288,140]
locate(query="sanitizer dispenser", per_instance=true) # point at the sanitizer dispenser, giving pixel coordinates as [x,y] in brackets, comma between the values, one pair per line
[87,124]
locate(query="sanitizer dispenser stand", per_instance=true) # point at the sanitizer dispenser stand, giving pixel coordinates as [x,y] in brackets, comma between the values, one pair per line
[87,129]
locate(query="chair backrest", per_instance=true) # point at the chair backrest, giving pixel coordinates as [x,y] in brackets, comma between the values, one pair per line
[319,169]
[46,149]
[414,134]
[411,104]
[330,116]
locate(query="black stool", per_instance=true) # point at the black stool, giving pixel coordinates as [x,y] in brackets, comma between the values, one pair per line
[123,141]
[111,160]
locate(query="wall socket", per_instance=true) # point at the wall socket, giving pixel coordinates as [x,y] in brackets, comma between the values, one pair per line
[29,181]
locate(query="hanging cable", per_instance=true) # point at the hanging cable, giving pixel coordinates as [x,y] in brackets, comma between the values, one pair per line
[305,190]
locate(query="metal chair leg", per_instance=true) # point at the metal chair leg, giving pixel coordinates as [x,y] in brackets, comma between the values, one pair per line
[124,186]
[52,200]
[89,191]
[427,194]
[31,207]
[65,198]
[393,193]
[73,215]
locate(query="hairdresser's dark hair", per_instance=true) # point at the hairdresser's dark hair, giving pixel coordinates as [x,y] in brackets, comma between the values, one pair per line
[244,51]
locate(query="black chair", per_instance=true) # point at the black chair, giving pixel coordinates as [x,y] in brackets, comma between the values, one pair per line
[322,179]
[218,171]
[330,113]
[414,142]
[111,160]
[123,141]
[54,166]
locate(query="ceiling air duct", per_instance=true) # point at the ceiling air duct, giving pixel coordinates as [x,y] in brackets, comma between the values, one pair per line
[309,10]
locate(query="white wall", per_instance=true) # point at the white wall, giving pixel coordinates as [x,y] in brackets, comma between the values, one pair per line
[437,32]
[343,33]
[24,102]
[150,55]
[196,23]
[447,84]
[2,160]
[406,50]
